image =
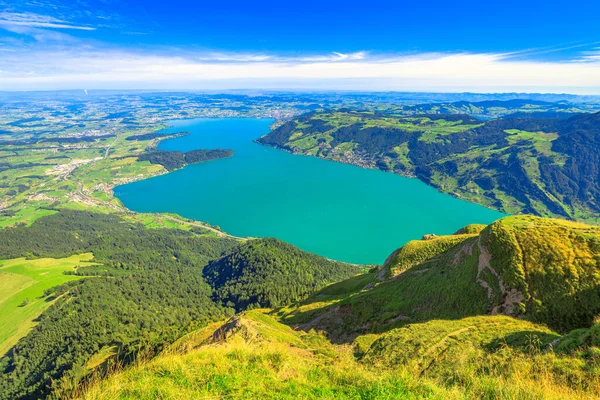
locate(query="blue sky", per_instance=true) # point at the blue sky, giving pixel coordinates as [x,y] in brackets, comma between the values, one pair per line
[546,46]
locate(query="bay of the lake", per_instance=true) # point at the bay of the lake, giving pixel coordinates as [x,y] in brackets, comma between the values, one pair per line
[339,211]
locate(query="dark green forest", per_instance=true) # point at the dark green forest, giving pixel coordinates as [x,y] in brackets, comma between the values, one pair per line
[271,273]
[149,291]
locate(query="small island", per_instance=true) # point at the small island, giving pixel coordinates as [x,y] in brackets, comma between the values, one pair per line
[173,160]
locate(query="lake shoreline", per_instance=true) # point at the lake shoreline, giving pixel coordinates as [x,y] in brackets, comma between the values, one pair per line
[374,167]
[333,209]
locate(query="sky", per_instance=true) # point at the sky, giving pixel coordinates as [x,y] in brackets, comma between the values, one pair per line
[437,46]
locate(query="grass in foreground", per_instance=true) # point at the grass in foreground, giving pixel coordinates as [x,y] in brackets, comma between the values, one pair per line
[253,356]
[274,371]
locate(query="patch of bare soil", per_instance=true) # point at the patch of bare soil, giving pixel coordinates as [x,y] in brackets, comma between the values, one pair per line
[511,298]
[466,249]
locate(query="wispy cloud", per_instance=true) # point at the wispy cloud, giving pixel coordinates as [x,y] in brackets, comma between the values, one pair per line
[229,57]
[591,56]
[333,57]
[113,68]
[12,19]
[564,50]
[278,58]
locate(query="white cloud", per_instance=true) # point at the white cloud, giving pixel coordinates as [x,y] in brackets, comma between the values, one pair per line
[249,57]
[350,56]
[68,68]
[334,56]
[10,20]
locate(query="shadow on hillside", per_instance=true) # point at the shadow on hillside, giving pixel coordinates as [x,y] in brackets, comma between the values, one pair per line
[342,326]
[533,341]
[342,315]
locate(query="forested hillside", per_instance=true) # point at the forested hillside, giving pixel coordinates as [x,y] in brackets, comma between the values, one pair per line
[542,166]
[271,273]
[436,319]
[147,290]
[144,289]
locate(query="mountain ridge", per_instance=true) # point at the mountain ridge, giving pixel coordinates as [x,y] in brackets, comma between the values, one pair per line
[540,166]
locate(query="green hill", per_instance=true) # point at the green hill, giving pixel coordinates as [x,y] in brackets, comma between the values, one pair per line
[271,273]
[146,287]
[545,270]
[526,164]
[514,108]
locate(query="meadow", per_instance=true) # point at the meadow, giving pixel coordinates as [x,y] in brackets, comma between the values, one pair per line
[23,284]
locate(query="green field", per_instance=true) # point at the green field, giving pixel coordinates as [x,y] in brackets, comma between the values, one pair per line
[22,286]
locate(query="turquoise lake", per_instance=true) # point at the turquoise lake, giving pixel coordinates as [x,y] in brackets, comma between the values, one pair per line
[339,211]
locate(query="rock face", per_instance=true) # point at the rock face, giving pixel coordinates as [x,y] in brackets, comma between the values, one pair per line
[429,236]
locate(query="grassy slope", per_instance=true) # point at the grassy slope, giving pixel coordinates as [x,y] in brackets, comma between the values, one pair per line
[417,251]
[441,287]
[259,358]
[554,263]
[255,356]
[545,270]
[23,280]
